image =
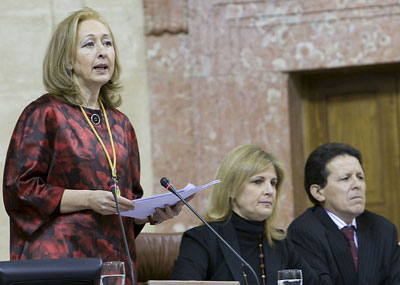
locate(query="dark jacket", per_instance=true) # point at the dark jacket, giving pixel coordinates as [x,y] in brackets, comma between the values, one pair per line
[203,256]
[320,242]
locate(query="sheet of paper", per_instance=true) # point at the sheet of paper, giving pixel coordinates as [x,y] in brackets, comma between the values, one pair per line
[146,206]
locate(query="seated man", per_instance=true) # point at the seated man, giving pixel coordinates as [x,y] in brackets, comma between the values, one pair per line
[338,237]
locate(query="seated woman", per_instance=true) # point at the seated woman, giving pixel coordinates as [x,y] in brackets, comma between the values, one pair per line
[242,210]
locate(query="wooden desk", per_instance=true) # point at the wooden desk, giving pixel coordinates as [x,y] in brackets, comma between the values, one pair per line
[170,282]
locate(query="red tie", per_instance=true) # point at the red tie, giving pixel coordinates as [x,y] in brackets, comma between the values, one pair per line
[349,235]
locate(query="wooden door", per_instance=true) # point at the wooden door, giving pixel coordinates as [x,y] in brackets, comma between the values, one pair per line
[363,111]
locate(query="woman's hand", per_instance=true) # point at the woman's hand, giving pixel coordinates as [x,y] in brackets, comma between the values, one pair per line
[100,201]
[162,214]
[103,202]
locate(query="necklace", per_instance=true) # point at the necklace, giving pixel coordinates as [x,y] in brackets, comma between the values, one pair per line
[112,164]
[95,119]
[262,266]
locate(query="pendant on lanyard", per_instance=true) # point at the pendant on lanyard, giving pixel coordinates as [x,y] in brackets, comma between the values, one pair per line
[113,183]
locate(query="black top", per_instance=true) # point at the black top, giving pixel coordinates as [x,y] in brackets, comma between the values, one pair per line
[202,256]
[248,237]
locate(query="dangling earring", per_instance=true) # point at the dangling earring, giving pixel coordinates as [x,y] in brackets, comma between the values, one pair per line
[68,70]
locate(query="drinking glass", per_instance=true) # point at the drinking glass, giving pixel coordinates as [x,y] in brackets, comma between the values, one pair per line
[113,273]
[290,276]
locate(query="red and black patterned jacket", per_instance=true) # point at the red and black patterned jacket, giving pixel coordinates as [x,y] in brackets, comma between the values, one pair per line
[52,149]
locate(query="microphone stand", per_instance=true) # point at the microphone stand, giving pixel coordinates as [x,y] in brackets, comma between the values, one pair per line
[172,189]
[113,188]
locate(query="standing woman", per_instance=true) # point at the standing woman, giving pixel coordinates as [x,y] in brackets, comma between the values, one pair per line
[243,208]
[66,149]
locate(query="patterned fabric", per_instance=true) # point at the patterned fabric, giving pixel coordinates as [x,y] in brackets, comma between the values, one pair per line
[52,149]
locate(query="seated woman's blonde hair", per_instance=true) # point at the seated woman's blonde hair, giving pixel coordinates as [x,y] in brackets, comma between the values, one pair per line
[236,168]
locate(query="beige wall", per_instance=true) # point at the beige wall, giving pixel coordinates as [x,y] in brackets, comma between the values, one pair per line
[25,28]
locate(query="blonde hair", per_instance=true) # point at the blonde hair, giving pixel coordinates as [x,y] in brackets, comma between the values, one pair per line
[58,76]
[236,168]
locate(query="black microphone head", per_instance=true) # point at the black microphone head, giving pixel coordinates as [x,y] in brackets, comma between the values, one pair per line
[165,182]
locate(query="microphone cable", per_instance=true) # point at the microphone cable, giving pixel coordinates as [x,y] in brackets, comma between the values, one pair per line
[168,185]
[112,188]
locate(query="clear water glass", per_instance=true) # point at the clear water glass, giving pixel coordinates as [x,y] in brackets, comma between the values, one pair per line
[290,277]
[113,273]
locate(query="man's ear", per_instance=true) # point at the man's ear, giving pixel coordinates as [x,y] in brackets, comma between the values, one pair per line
[317,192]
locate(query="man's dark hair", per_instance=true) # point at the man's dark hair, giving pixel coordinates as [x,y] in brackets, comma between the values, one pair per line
[315,171]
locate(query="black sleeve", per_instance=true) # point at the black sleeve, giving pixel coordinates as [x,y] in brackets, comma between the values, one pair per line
[303,252]
[395,260]
[193,258]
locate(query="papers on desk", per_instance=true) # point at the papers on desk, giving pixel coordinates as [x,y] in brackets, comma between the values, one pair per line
[147,206]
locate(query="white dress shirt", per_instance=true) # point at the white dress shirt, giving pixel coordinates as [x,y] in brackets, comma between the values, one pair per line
[341,224]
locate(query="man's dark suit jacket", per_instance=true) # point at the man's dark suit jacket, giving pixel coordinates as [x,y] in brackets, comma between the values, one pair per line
[320,242]
[202,256]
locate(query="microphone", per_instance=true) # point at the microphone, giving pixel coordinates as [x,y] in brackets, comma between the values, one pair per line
[113,186]
[168,185]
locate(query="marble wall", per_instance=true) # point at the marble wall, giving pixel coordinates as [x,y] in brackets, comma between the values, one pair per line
[221,79]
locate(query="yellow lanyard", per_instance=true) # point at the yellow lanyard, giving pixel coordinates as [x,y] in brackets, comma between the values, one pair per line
[114,163]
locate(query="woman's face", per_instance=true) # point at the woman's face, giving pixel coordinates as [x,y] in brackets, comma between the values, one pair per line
[95,55]
[256,200]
